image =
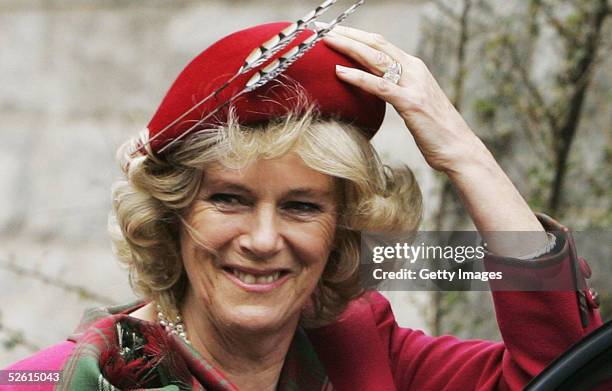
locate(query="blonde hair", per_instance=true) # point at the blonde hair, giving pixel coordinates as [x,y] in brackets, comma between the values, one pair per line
[148,206]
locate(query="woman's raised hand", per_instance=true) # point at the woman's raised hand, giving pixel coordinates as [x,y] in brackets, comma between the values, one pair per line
[446,141]
[440,132]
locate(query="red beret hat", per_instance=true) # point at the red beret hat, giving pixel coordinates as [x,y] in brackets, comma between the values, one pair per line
[314,73]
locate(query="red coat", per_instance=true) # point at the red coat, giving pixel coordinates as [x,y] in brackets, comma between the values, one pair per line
[367,350]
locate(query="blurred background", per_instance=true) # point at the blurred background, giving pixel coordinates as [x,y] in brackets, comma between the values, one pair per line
[78,77]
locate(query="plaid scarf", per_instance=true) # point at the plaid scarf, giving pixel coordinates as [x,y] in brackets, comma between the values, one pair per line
[117,352]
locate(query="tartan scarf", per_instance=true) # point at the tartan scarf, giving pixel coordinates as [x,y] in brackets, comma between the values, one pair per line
[117,352]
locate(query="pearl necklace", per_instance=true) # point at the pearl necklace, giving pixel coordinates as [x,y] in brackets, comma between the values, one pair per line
[177,327]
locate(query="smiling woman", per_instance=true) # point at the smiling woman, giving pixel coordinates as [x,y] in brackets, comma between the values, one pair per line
[259,230]
[292,194]
[240,216]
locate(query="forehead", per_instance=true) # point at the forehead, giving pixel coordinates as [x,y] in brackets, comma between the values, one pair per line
[285,173]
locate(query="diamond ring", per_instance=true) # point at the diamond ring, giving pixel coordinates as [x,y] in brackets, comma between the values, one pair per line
[393,73]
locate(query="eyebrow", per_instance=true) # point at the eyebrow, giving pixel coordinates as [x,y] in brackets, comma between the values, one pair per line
[296,192]
[228,186]
[307,192]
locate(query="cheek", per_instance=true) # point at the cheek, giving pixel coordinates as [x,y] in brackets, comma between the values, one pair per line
[313,241]
[204,235]
[208,229]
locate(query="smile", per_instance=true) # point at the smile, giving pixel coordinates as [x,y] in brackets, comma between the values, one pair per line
[257,281]
[253,279]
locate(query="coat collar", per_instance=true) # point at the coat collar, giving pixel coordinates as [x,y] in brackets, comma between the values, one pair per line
[352,352]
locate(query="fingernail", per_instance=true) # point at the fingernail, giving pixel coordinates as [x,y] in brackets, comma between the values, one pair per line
[342,69]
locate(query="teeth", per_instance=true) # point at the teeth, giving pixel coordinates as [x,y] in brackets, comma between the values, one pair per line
[253,279]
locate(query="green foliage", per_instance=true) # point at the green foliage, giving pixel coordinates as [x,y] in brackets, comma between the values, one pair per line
[485,110]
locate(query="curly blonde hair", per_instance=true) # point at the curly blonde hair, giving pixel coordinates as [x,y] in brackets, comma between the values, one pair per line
[148,206]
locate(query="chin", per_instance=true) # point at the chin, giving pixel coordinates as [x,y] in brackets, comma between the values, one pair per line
[259,318]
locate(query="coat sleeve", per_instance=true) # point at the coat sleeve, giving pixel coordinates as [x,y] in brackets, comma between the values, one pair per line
[536,327]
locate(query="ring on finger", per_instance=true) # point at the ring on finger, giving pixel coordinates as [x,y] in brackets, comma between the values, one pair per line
[393,72]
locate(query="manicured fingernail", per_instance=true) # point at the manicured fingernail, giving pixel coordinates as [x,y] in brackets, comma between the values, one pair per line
[341,69]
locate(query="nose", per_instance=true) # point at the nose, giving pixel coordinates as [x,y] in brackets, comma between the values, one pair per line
[262,238]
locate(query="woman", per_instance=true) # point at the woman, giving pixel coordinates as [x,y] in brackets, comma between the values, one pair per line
[239,221]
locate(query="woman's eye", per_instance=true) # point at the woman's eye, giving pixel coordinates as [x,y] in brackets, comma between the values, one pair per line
[302,207]
[228,199]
